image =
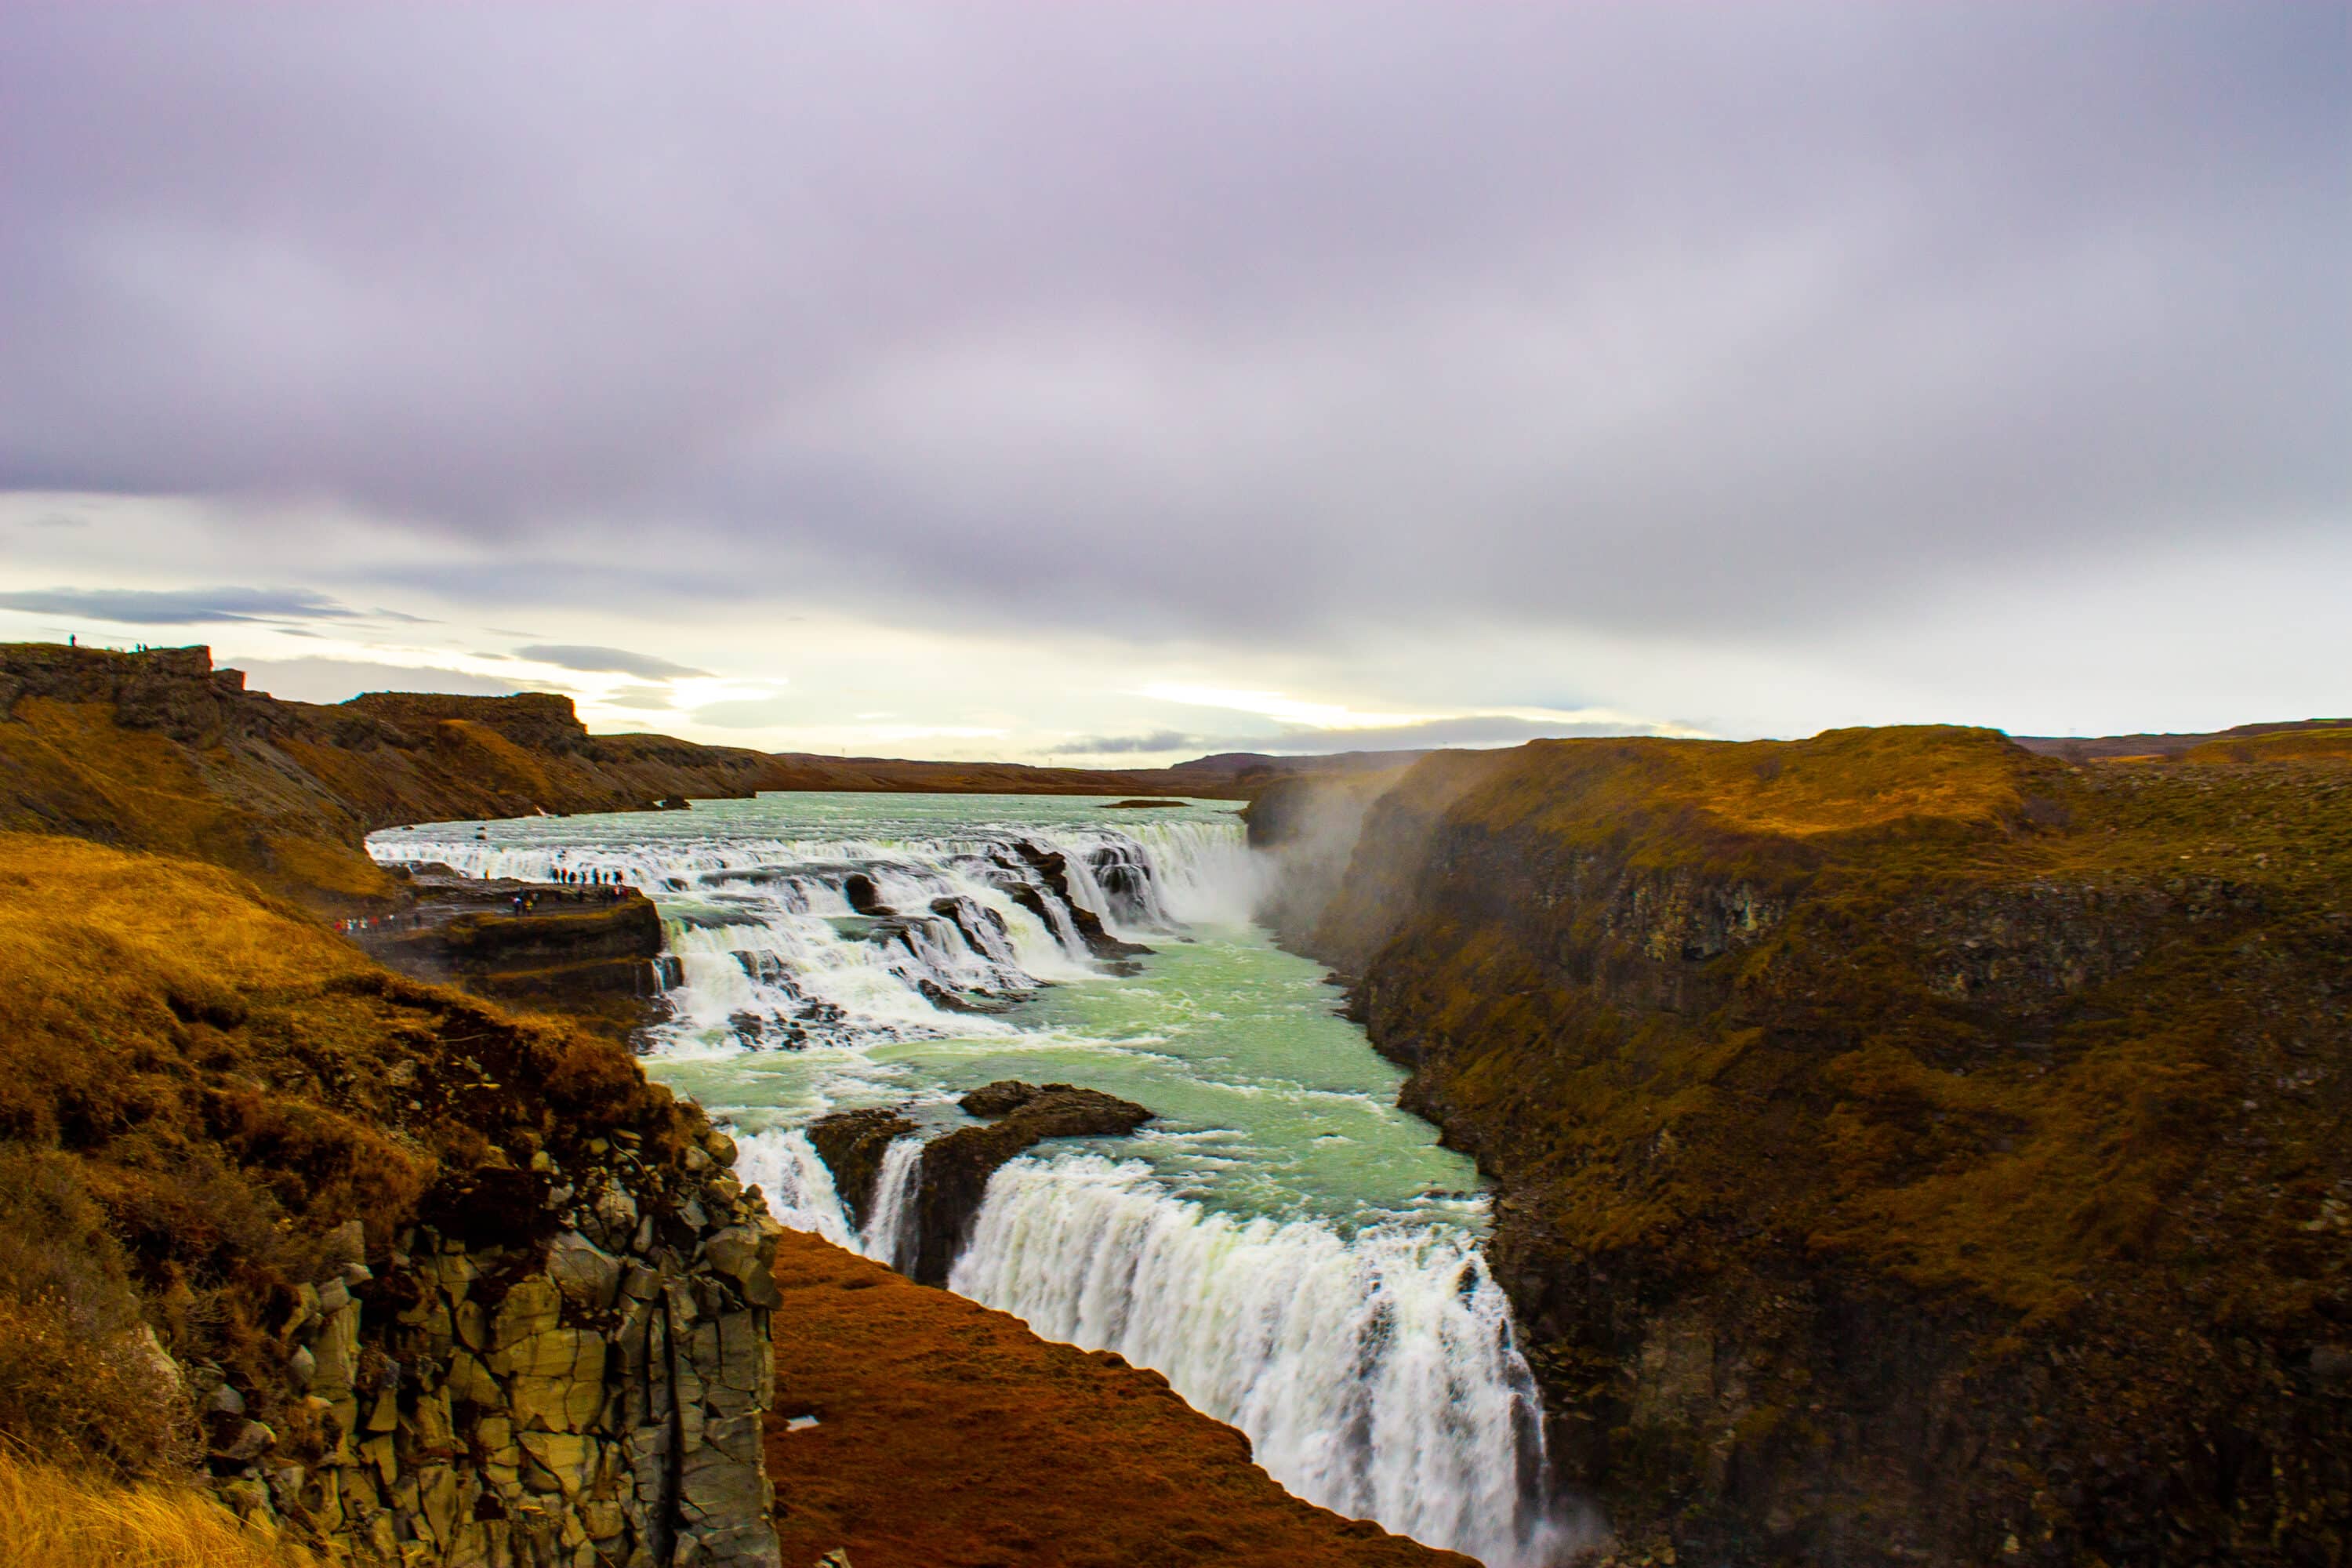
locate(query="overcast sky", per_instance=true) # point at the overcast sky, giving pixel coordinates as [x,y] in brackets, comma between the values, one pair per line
[1125,381]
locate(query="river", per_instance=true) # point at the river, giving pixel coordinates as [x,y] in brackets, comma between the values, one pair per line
[1297,1254]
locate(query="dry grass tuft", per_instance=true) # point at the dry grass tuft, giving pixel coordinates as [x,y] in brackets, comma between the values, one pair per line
[53,1519]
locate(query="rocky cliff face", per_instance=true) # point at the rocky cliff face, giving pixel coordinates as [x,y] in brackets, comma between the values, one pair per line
[1909,1149]
[592,953]
[425,1279]
[489,1396]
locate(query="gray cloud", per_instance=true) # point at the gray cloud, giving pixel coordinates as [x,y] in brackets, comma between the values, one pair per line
[340,680]
[649,699]
[608,660]
[1724,322]
[1126,745]
[180,606]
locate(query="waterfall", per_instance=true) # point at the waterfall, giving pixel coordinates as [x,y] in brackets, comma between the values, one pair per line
[854,941]
[1375,1376]
[885,1238]
[899,955]
[1207,873]
[794,1177]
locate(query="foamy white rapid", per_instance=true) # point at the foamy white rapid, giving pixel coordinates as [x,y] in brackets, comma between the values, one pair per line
[1374,1374]
[1293,1253]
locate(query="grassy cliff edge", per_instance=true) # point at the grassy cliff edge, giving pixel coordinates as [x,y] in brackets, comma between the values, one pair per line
[1911,1148]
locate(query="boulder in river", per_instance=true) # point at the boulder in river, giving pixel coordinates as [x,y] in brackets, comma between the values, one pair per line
[851,1143]
[1016,1117]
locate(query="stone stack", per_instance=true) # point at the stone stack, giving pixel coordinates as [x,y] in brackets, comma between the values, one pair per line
[587,1393]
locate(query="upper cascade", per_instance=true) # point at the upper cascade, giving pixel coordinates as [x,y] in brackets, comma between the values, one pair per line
[846,942]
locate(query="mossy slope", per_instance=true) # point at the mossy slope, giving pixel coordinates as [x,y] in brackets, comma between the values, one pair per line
[1910,1145]
[197,1087]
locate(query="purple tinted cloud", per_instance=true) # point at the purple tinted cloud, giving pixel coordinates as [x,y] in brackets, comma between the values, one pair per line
[1228,320]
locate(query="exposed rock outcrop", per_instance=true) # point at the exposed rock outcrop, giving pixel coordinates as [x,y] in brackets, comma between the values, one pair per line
[1052,868]
[448,1285]
[852,1145]
[490,1394]
[955,1168]
[589,952]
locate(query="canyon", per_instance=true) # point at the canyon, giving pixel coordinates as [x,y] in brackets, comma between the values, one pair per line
[1905,1145]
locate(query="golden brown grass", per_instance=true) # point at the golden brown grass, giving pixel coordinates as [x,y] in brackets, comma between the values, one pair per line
[197,1084]
[70,768]
[951,1437]
[51,1518]
[1849,1098]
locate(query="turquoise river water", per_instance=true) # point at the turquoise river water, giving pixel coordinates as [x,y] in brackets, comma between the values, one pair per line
[1298,1255]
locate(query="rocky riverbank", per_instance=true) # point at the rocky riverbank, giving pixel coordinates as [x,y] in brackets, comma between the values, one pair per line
[1910,1149]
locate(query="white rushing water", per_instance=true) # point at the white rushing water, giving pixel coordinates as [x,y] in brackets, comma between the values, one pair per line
[1295,1254]
[1374,1374]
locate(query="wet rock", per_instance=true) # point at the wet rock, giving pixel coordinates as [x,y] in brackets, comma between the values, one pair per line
[864,896]
[852,1145]
[956,1168]
[1052,867]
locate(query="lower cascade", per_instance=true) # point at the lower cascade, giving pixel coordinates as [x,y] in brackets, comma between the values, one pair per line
[1297,1256]
[1374,1375]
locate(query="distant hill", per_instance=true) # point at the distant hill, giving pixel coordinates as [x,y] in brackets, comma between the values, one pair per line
[2082,748]
[160,751]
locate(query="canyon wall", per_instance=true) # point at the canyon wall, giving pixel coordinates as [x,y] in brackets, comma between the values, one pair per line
[489,1394]
[1909,1149]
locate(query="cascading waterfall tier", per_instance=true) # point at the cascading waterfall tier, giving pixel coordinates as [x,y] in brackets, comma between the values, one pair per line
[1375,1373]
[850,942]
[1295,1255]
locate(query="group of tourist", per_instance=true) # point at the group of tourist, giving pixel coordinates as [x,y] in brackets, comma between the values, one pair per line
[358,923]
[612,891]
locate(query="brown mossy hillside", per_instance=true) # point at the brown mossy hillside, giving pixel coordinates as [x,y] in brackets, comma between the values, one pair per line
[198,1088]
[160,751]
[949,1435]
[1909,1144]
[2332,743]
